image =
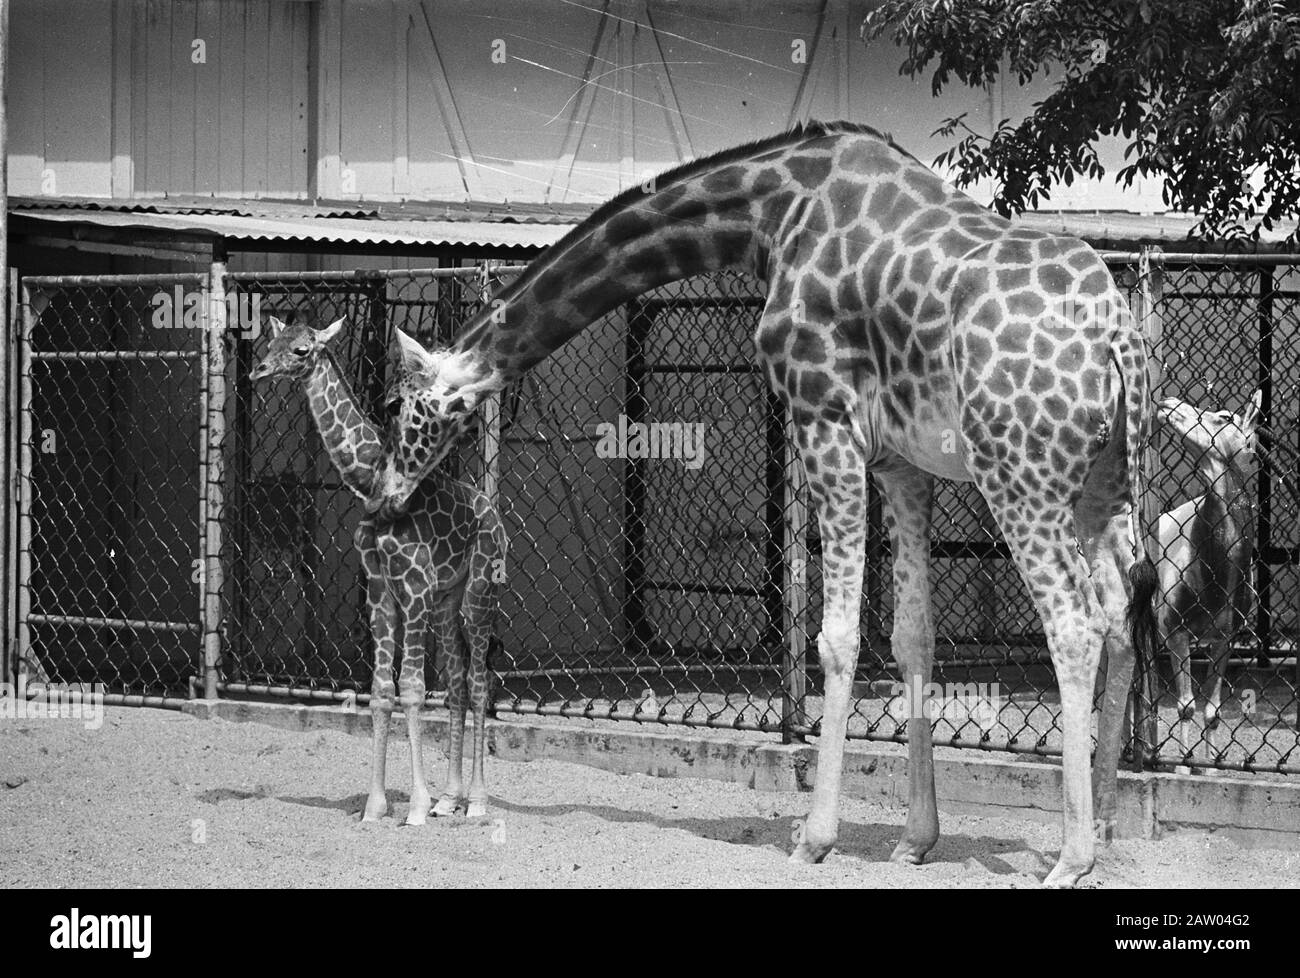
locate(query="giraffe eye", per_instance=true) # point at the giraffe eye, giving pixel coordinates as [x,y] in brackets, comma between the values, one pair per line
[394,407]
[301,351]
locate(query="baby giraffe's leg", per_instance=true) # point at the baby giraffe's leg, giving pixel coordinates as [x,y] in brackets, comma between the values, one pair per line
[478,612]
[415,607]
[383,627]
[446,610]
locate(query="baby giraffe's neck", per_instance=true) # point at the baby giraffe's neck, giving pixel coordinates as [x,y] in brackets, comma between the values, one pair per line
[352,441]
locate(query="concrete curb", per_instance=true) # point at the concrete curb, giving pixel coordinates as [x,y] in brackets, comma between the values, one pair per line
[1252,813]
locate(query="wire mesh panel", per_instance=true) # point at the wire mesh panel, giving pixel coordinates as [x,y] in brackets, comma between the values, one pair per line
[664,561]
[645,466]
[111,382]
[1224,691]
[295,590]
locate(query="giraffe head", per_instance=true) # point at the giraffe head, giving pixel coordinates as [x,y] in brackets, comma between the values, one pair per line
[294,350]
[1221,439]
[430,405]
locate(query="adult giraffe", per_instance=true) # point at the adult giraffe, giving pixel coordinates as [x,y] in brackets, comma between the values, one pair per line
[911,334]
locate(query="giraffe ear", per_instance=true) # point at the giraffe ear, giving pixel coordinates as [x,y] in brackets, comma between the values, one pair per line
[469,376]
[413,356]
[1254,408]
[277,327]
[323,336]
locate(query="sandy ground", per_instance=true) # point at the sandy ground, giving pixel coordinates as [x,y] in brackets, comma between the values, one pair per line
[155,798]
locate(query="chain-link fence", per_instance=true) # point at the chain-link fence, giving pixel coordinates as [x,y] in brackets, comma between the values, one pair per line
[186,524]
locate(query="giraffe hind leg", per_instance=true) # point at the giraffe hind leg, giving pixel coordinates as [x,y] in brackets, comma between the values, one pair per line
[909,494]
[411,686]
[446,610]
[1047,554]
[1109,552]
[384,627]
[478,612]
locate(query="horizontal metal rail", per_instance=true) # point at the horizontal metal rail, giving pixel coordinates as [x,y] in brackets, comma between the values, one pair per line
[1194,258]
[111,355]
[365,275]
[112,281]
[127,624]
[564,672]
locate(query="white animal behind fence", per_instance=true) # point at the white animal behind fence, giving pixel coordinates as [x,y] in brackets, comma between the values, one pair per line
[1206,547]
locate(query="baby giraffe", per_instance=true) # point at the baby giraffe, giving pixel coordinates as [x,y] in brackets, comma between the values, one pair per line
[1205,551]
[437,562]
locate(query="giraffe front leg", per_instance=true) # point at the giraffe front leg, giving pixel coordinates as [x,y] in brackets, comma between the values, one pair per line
[412,692]
[447,629]
[383,627]
[908,494]
[837,476]
[478,614]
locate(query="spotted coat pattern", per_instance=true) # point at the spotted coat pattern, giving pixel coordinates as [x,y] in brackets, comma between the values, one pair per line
[436,564]
[911,334]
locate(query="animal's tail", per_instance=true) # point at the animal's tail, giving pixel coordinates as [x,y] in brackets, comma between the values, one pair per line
[1130,359]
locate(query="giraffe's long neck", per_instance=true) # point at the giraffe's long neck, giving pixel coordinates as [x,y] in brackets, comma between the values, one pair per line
[719,212]
[353,443]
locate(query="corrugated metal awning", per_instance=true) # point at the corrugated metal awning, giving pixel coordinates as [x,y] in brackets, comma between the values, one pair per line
[532,228]
[333,230]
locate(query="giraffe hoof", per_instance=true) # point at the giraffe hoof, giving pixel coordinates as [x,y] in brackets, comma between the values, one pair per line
[417,815]
[446,806]
[908,854]
[1064,876]
[809,854]
[376,808]
[476,808]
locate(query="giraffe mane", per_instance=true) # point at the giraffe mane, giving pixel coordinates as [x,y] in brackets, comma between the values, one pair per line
[813,129]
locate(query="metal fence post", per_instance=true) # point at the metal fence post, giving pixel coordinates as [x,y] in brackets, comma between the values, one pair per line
[9,373]
[491,442]
[23,585]
[1264,526]
[795,667]
[211,466]
[634,485]
[1146,694]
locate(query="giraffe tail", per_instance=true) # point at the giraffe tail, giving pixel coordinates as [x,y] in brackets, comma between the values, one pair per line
[1130,363]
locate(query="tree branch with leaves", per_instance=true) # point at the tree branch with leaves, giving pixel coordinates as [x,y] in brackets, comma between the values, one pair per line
[1205,94]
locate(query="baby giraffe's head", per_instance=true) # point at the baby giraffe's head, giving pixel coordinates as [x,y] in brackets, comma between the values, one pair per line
[430,406]
[294,350]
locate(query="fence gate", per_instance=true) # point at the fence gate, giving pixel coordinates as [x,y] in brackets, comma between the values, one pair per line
[112,414]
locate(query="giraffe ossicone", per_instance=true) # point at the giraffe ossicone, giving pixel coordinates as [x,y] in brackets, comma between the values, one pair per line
[897,309]
[436,563]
